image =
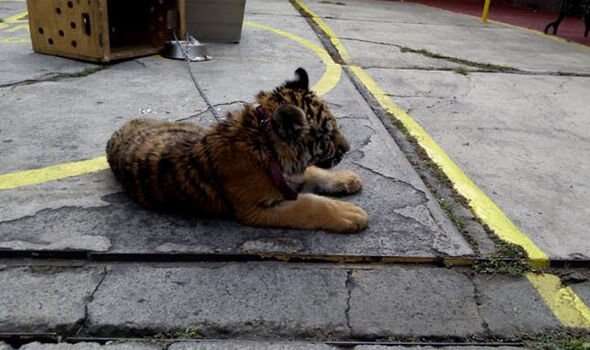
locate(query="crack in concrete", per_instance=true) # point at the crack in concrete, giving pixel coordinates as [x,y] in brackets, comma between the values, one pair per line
[141,63]
[349,284]
[417,96]
[433,247]
[465,71]
[334,104]
[351,117]
[429,54]
[45,210]
[481,66]
[421,192]
[56,77]
[203,111]
[89,299]
[382,21]
[478,303]
[365,142]
[261,13]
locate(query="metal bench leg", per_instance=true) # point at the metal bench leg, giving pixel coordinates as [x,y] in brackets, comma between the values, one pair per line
[587,21]
[562,12]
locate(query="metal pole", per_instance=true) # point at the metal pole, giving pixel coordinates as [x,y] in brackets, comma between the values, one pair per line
[486,11]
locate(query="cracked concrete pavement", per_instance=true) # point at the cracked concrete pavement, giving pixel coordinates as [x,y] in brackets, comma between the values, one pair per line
[228,345]
[507,105]
[68,115]
[269,300]
[126,272]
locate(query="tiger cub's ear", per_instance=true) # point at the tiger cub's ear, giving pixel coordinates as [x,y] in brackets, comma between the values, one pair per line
[288,122]
[301,80]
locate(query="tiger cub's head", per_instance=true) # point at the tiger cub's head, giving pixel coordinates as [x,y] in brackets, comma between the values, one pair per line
[306,127]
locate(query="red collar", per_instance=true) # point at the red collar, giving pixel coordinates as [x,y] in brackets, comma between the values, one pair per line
[275,171]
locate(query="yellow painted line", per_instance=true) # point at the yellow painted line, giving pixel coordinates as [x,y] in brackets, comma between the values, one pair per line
[51,173]
[324,27]
[333,72]
[483,207]
[485,13]
[18,27]
[16,18]
[14,40]
[565,304]
[562,301]
[327,82]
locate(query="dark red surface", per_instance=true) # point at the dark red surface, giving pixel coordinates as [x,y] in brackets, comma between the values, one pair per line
[571,28]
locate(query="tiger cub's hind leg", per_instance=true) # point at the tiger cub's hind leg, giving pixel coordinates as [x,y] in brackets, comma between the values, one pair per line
[334,182]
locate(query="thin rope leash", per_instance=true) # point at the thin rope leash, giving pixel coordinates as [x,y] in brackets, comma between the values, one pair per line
[210,106]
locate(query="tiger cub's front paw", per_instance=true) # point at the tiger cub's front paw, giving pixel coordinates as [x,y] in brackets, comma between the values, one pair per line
[348,218]
[345,182]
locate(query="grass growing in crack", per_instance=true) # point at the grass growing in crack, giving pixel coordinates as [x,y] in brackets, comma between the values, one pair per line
[186,333]
[85,72]
[58,76]
[449,202]
[509,259]
[447,208]
[333,3]
[461,70]
[485,66]
[560,342]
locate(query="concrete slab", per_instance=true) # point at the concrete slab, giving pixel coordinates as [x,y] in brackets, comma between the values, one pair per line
[70,119]
[483,347]
[8,8]
[249,345]
[37,299]
[18,63]
[55,122]
[399,301]
[271,300]
[510,306]
[404,219]
[4,346]
[418,27]
[234,345]
[93,346]
[222,299]
[582,288]
[514,136]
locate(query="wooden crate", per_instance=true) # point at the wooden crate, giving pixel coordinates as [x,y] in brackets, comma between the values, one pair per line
[103,30]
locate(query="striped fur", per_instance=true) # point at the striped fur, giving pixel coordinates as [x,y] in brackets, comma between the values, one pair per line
[223,170]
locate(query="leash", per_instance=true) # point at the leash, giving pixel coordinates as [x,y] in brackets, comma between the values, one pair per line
[210,106]
[275,172]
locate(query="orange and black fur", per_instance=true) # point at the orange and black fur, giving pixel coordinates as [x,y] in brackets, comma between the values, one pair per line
[226,170]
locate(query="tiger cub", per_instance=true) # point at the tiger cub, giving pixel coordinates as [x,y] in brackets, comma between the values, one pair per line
[257,165]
